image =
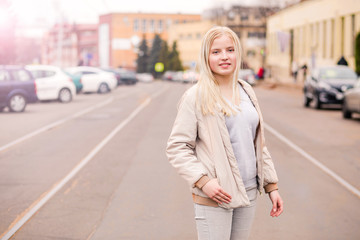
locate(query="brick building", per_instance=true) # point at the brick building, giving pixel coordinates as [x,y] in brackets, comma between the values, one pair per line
[68,45]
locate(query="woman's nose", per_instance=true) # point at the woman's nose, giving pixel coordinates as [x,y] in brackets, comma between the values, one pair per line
[224,55]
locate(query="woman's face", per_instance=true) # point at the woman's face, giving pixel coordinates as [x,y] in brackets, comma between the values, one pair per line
[222,57]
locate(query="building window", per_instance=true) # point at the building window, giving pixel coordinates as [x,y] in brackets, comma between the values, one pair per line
[136,25]
[353,35]
[324,39]
[332,38]
[126,21]
[152,25]
[244,17]
[160,26]
[168,23]
[318,35]
[143,25]
[250,53]
[256,34]
[342,33]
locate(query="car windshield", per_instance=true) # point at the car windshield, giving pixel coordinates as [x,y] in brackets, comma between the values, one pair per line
[128,74]
[337,73]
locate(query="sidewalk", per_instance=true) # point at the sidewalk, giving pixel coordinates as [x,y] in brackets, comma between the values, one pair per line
[272,83]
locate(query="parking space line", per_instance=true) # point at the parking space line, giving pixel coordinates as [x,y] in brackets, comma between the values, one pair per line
[55,124]
[28,213]
[325,169]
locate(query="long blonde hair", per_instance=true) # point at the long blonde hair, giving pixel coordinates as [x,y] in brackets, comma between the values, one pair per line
[209,95]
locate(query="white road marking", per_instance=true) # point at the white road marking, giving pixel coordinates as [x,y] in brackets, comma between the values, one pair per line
[41,202]
[55,124]
[325,169]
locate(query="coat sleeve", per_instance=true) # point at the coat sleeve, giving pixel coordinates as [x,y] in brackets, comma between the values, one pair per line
[182,141]
[270,176]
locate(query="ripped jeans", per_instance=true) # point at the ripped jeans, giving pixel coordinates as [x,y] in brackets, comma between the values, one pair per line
[216,223]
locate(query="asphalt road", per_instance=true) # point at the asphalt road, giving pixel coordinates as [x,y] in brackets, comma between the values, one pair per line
[96,169]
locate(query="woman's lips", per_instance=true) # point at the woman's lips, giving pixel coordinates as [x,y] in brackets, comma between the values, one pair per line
[224,65]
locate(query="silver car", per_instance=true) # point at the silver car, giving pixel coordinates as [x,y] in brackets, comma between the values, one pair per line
[351,102]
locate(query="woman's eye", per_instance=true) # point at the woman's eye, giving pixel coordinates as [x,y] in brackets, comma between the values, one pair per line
[215,52]
[231,50]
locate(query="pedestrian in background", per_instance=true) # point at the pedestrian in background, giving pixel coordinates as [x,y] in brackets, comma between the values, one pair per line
[294,70]
[304,68]
[342,61]
[217,143]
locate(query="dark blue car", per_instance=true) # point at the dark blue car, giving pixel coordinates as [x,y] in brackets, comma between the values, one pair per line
[17,88]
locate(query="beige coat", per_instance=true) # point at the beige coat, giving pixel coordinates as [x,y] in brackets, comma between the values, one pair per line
[199,148]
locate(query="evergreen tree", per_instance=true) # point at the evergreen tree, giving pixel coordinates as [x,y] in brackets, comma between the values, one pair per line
[143,57]
[357,54]
[154,55]
[164,55]
[174,59]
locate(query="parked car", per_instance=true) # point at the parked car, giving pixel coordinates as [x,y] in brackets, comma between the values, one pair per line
[351,102]
[94,79]
[169,75]
[145,77]
[52,83]
[190,76]
[76,80]
[248,75]
[127,77]
[326,85]
[17,88]
[178,76]
[123,76]
[115,72]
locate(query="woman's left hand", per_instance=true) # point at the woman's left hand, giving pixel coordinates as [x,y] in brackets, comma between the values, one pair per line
[277,203]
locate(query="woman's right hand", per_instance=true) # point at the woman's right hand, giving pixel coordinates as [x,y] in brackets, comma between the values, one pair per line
[215,192]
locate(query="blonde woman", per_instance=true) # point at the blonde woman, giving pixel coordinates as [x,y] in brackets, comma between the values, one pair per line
[217,143]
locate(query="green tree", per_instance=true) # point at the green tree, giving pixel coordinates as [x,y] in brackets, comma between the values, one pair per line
[143,57]
[164,55]
[154,55]
[174,59]
[357,54]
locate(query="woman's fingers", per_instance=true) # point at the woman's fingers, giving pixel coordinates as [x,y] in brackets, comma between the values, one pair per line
[278,204]
[276,212]
[225,194]
[215,192]
[222,197]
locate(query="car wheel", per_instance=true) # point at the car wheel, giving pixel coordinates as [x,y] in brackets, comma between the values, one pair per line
[345,112]
[65,95]
[317,102]
[306,101]
[17,103]
[103,88]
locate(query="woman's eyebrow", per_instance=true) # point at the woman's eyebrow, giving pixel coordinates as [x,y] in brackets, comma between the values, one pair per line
[221,48]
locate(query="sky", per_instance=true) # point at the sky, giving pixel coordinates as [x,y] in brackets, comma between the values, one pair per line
[34,17]
[44,12]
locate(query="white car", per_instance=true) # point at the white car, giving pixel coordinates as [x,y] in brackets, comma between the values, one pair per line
[52,83]
[94,79]
[145,77]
